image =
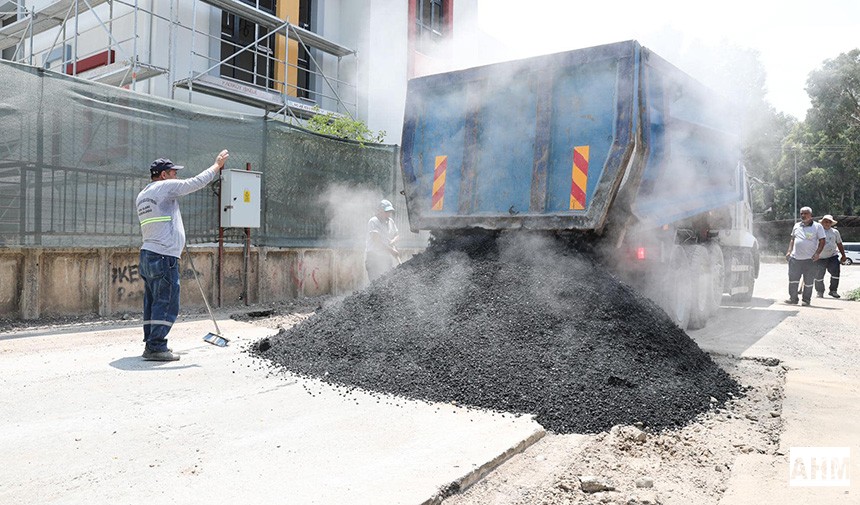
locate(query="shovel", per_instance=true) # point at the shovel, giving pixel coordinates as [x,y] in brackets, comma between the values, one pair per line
[212,338]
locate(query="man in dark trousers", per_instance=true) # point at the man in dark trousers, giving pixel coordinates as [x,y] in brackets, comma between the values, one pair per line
[163,242]
[807,241]
[829,261]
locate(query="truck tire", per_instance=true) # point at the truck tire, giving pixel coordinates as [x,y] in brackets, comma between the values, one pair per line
[744,277]
[675,292]
[701,291]
[718,275]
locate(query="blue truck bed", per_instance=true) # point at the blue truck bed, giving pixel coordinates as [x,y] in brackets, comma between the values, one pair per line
[556,142]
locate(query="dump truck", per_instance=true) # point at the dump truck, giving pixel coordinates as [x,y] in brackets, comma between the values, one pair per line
[610,142]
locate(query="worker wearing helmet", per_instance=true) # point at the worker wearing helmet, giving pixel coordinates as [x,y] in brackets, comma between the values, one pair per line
[380,252]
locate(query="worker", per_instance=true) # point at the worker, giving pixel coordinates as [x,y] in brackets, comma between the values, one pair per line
[381,254]
[163,242]
[804,249]
[829,261]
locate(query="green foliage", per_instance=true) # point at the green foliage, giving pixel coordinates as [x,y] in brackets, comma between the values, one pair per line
[824,150]
[833,135]
[853,295]
[834,90]
[343,127]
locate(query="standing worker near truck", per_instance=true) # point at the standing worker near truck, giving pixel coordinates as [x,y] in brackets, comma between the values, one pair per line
[804,249]
[163,241]
[829,261]
[380,251]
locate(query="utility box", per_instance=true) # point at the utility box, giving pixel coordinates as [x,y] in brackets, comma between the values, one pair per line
[240,198]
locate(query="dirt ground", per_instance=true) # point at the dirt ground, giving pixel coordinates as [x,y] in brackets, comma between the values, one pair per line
[784,357]
[688,465]
[735,454]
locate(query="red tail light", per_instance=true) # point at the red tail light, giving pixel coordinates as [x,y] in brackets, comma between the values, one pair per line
[640,253]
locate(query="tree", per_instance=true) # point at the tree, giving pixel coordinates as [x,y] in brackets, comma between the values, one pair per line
[833,125]
[738,74]
[343,127]
[792,159]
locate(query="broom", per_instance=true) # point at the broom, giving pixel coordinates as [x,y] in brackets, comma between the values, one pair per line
[212,338]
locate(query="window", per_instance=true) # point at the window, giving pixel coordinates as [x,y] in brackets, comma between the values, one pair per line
[303,77]
[7,53]
[430,19]
[255,65]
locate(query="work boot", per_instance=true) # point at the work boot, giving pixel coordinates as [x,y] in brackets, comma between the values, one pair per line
[791,301]
[820,295]
[159,355]
[806,304]
[834,294]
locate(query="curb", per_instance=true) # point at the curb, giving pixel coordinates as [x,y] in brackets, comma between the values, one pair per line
[464,482]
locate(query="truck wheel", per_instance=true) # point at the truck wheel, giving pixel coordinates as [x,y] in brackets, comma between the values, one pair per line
[718,275]
[675,288]
[701,292]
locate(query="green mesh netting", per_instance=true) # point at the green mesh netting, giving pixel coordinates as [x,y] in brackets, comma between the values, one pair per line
[74,154]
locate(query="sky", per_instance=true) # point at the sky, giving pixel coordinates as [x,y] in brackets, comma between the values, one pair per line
[792,37]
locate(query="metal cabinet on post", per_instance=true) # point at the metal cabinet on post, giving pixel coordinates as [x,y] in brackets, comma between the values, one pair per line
[240,208]
[240,199]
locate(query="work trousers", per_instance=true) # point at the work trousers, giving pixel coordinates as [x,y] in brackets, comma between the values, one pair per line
[796,270]
[160,275]
[377,264]
[822,266]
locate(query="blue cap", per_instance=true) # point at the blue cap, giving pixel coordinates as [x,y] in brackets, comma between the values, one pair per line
[162,164]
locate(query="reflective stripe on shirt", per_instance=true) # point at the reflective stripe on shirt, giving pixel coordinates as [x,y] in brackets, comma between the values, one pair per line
[156,220]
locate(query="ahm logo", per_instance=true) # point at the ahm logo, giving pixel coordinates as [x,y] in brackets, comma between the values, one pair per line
[819,466]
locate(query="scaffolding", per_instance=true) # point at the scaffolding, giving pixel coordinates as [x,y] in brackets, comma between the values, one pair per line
[106,47]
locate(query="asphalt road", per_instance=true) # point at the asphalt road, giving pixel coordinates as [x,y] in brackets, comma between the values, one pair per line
[83,420]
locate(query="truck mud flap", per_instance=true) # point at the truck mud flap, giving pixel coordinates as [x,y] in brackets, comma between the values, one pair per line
[742,276]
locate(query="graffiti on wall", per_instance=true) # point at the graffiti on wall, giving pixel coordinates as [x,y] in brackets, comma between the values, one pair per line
[128,286]
[126,282]
[299,274]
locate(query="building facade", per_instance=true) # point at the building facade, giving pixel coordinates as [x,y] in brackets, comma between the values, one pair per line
[284,58]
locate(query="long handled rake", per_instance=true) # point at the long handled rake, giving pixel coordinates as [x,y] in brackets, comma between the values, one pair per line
[212,338]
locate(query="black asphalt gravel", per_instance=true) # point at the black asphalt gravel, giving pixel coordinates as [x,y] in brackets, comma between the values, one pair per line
[519,324]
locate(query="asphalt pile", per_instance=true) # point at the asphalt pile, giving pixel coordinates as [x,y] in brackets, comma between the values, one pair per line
[516,324]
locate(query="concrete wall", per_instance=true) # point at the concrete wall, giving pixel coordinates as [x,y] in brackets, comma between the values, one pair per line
[11,271]
[106,281]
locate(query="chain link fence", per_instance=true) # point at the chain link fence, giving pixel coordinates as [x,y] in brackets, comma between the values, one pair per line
[74,155]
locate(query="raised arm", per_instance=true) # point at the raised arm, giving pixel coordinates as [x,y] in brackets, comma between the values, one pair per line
[180,187]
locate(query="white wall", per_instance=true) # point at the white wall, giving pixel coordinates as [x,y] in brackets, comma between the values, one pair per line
[386,66]
[376,29]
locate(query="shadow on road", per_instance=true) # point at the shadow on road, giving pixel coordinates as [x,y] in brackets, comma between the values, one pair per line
[136,364]
[737,327]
